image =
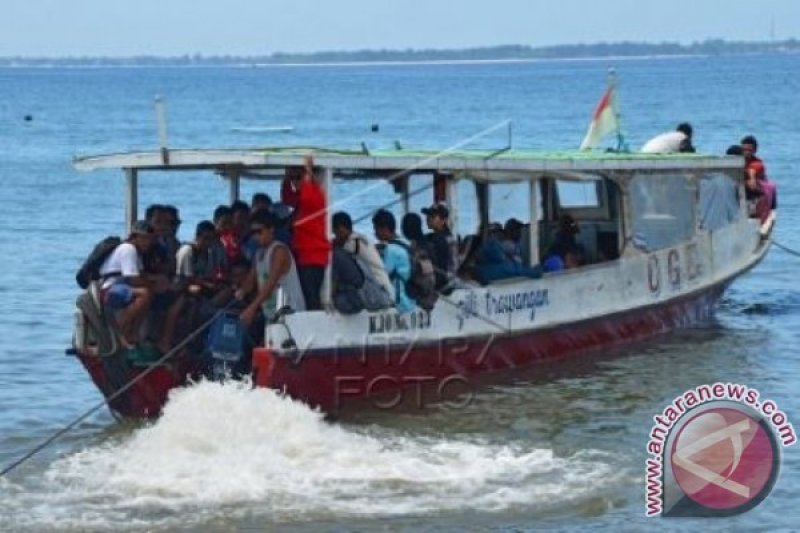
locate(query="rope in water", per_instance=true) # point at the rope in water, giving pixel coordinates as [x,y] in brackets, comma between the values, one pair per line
[69,427]
[786,249]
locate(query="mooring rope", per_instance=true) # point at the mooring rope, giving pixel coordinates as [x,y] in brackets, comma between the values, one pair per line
[786,248]
[69,427]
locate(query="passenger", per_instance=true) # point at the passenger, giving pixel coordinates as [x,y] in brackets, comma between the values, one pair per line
[566,244]
[174,221]
[227,233]
[274,269]
[247,243]
[411,227]
[421,288]
[125,287]
[395,256]
[679,140]
[686,145]
[238,274]
[553,263]
[195,278]
[284,215]
[494,264]
[160,259]
[222,223]
[359,245]
[260,201]
[756,179]
[196,265]
[469,253]
[240,218]
[512,240]
[309,237]
[441,242]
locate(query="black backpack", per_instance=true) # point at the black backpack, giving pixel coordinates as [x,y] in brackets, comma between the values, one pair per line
[421,286]
[356,288]
[90,269]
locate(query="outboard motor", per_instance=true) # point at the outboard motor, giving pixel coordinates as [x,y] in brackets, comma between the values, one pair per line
[225,347]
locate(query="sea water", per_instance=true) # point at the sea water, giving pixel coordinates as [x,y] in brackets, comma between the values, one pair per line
[560,448]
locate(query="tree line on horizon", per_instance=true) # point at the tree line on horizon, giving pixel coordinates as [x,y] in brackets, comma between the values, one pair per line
[714,47]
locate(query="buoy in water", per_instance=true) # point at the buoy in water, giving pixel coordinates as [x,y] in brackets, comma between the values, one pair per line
[28,118]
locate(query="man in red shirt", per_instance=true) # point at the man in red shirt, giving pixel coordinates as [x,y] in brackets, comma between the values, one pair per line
[310,241]
[756,179]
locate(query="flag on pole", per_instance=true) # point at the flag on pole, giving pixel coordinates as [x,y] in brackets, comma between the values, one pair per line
[605,120]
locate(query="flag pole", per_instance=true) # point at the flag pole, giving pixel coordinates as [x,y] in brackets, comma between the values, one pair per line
[612,87]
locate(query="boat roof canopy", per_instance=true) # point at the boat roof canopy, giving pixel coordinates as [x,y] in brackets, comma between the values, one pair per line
[481,165]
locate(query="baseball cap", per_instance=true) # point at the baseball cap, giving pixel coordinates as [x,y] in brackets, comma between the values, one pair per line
[439,209]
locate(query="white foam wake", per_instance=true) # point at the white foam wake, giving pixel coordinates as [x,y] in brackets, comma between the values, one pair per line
[227,450]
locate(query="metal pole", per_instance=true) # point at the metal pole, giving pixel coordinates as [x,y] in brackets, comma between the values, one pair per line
[131,198]
[233,182]
[533,231]
[161,120]
[452,201]
[327,292]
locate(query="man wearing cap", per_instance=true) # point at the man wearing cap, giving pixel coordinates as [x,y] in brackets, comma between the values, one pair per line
[441,242]
[125,289]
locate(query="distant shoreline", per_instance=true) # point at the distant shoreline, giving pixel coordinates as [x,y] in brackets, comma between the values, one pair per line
[492,54]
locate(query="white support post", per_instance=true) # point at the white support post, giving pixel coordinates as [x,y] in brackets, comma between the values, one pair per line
[131,198]
[533,231]
[233,181]
[452,202]
[327,286]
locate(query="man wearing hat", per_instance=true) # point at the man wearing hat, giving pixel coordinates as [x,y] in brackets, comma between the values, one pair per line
[441,242]
[125,288]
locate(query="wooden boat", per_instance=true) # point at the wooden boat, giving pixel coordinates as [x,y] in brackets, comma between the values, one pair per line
[664,235]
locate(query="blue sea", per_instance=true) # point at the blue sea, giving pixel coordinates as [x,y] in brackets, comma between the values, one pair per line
[562,449]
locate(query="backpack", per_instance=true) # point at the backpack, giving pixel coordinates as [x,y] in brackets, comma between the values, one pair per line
[356,287]
[373,294]
[90,269]
[421,286]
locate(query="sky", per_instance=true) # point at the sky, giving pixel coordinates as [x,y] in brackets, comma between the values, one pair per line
[58,28]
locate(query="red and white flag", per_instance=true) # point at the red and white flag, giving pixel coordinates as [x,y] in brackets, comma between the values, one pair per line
[604,121]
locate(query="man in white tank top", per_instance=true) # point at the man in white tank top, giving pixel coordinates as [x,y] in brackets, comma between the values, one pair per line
[274,270]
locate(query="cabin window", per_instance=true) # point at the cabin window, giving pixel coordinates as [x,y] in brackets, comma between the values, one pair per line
[592,201]
[509,200]
[578,194]
[467,201]
[718,202]
[663,210]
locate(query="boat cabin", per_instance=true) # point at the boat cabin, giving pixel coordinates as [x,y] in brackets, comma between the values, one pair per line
[623,203]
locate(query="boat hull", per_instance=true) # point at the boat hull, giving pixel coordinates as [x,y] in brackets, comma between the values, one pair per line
[389,376]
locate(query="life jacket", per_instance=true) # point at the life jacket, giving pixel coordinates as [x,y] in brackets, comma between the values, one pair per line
[421,285]
[90,269]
